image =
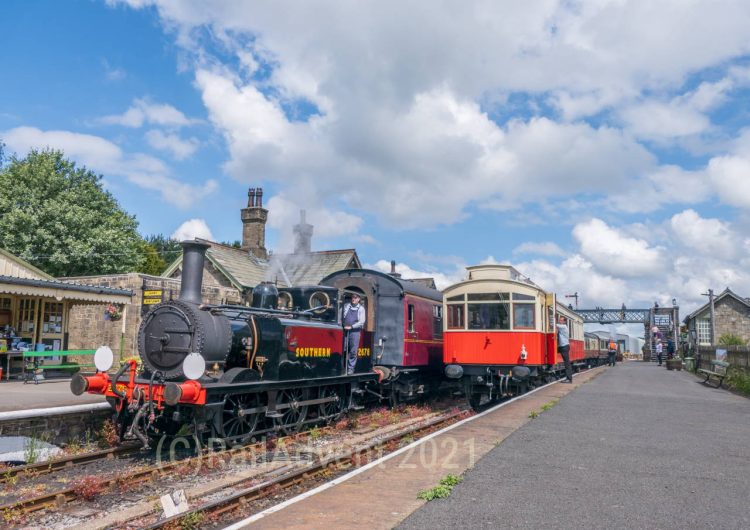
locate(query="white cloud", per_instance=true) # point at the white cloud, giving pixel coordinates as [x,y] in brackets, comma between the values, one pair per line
[613,253]
[706,236]
[172,143]
[546,248]
[191,229]
[442,279]
[103,156]
[143,111]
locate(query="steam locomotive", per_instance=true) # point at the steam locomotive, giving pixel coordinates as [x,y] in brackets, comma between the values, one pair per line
[234,372]
[237,372]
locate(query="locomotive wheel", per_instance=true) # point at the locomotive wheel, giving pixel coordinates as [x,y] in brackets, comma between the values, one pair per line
[331,410]
[291,418]
[234,423]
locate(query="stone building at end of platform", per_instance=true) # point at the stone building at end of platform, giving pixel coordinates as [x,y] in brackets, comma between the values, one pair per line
[229,276]
[731,314]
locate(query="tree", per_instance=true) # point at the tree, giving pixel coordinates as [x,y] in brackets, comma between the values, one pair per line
[159,251]
[58,217]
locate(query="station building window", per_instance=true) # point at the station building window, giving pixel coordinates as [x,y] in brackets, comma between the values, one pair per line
[704,331]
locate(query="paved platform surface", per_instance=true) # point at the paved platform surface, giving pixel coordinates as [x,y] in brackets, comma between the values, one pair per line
[638,447]
[14,395]
[381,497]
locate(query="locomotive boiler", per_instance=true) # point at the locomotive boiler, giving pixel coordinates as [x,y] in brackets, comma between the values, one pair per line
[230,372]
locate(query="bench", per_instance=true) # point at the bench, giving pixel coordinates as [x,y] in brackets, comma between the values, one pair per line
[33,362]
[720,370]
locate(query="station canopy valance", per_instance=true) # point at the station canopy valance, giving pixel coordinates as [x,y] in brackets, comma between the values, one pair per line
[63,290]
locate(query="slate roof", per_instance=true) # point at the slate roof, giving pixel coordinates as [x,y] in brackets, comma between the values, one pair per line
[243,269]
[707,305]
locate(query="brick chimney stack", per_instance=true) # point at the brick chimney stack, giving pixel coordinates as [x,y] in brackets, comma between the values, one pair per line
[254,219]
[302,235]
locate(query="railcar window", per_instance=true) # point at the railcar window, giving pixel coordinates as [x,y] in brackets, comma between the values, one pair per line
[519,296]
[488,297]
[457,298]
[489,316]
[437,321]
[410,311]
[524,316]
[456,316]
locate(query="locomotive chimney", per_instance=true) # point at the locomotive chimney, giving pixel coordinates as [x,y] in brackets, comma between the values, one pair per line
[193,257]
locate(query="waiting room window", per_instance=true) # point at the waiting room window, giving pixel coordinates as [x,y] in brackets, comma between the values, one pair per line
[704,331]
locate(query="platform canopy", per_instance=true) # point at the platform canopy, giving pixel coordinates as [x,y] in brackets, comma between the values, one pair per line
[63,290]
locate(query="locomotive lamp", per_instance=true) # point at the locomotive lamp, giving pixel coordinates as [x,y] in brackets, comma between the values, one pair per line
[194,366]
[103,358]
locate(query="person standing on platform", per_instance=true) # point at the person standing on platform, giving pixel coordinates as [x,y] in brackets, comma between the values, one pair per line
[659,351]
[563,346]
[353,320]
[611,353]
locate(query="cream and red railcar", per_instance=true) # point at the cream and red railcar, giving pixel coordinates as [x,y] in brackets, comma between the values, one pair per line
[500,333]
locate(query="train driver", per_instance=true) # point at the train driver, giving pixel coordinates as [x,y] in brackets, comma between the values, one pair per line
[353,320]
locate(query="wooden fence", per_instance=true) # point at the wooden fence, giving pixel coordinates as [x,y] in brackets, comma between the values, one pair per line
[737,356]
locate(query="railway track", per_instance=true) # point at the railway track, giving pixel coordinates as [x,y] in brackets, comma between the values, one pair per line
[305,472]
[68,462]
[59,498]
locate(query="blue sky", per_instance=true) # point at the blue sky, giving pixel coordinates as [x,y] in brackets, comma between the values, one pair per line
[601,147]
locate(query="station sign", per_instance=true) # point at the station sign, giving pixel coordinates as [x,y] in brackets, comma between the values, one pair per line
[150,298]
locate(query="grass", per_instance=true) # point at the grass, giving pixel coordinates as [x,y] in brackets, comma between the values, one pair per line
[549,405]
[533,414]
[739,380]
[442,490]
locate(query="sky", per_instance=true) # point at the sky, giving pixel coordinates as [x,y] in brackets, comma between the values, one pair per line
[601,147]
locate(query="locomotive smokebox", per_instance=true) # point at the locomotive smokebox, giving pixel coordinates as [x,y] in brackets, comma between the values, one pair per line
[193,258]
[265,296]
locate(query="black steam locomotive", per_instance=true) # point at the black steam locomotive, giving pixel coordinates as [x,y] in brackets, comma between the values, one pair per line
[232,372]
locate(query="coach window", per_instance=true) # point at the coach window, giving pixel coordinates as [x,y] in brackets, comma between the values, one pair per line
[524,311]
[437,321]
[488,311]
[410,315]
[456,316]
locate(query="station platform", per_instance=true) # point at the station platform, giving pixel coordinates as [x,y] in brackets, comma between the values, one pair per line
[634,446]
[14,395]
[638,447]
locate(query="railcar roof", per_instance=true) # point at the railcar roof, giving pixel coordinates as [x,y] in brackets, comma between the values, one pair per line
[407,286]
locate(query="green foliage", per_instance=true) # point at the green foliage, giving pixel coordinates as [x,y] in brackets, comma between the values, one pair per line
[730,339]
[31,450]
[58,217]
[533,414]
[442,490]
[233,244]
[153,263]
[549,405]
[739,380]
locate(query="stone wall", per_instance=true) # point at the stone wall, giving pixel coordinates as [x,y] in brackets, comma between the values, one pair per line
[732,317]
[87,328]
[59,429]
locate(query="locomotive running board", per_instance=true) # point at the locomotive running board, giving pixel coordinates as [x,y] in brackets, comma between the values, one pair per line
[283,406]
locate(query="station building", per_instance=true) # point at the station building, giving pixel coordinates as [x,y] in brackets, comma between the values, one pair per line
[37,311]
[731,315]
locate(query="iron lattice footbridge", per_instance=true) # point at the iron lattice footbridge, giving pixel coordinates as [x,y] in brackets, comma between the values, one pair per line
[610,316]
